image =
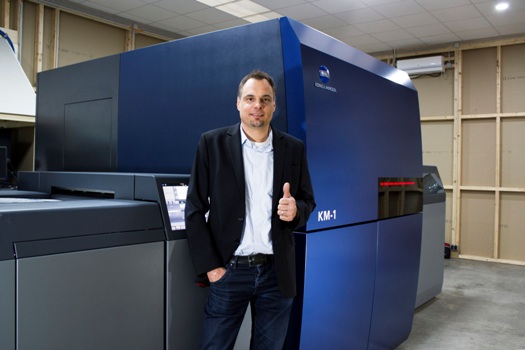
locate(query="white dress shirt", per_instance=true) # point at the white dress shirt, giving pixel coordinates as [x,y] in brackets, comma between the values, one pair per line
[258,174]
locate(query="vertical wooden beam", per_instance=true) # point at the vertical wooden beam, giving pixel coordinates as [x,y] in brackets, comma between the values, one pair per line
[456,192]
[55,26]
[130,38]
[498,82]
[39,41]
[497,180]
[15,22]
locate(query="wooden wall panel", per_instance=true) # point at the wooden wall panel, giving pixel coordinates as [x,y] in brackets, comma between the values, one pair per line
[28,40]
[144,41]
[81,39]
[512,227]
[48,54]
[477,224]
[438,141]
[9,14]
[3,16]
[479,74]
[513,78]
[478,152]
[513,152]
[436,94]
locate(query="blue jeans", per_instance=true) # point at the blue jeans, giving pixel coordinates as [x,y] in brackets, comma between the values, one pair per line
[229,297]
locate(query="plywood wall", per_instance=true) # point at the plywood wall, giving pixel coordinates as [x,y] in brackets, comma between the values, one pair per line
[29,52]
[478,146]
[512,157]
[473,129]
[436,94]
[479,81]
[438,147]
[144,41]
[512,226]
[82,39]
[477,224]
[512,78]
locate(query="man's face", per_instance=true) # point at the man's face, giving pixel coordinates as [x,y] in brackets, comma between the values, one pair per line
[256,104]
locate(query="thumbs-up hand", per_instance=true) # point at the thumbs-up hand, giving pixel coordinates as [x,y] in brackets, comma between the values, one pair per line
[287,209]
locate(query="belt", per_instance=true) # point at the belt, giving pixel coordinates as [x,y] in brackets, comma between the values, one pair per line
[252,260]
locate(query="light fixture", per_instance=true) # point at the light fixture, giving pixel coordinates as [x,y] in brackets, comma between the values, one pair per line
[262,17]
[245,9]
[502,6]
[214,3]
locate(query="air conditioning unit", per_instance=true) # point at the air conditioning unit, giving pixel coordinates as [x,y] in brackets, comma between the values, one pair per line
[423,65]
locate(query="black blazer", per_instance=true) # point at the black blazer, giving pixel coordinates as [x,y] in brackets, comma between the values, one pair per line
[217,184]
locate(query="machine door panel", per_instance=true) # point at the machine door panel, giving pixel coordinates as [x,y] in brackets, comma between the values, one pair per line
[398,254]
[7,304]
[338,288]
[116,294]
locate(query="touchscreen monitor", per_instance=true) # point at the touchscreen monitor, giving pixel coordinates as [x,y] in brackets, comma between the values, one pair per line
[175,197]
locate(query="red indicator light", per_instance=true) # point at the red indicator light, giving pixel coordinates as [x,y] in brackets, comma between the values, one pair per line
[396,183]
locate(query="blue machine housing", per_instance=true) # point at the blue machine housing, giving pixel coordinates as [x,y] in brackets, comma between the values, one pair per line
[358,256]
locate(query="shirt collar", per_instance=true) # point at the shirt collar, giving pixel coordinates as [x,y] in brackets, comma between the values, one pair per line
[265,146]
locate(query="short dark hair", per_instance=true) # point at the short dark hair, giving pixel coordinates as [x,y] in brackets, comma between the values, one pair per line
[257,75]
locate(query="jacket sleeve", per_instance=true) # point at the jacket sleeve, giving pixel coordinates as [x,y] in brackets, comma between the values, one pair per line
[304,197]
[202,247]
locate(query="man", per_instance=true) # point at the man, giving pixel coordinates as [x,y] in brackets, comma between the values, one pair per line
[253,182]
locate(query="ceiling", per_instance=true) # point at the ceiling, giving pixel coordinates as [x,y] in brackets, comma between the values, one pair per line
[369,25]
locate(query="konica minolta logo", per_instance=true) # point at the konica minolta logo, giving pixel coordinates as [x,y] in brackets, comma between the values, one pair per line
[324,76]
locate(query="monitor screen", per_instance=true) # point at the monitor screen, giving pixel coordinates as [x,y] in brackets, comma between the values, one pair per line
[175,197]
[3,163]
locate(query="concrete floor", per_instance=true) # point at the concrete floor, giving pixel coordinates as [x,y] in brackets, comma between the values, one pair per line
[481,306]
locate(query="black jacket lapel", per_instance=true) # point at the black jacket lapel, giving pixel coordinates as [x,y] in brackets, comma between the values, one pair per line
[235,148]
